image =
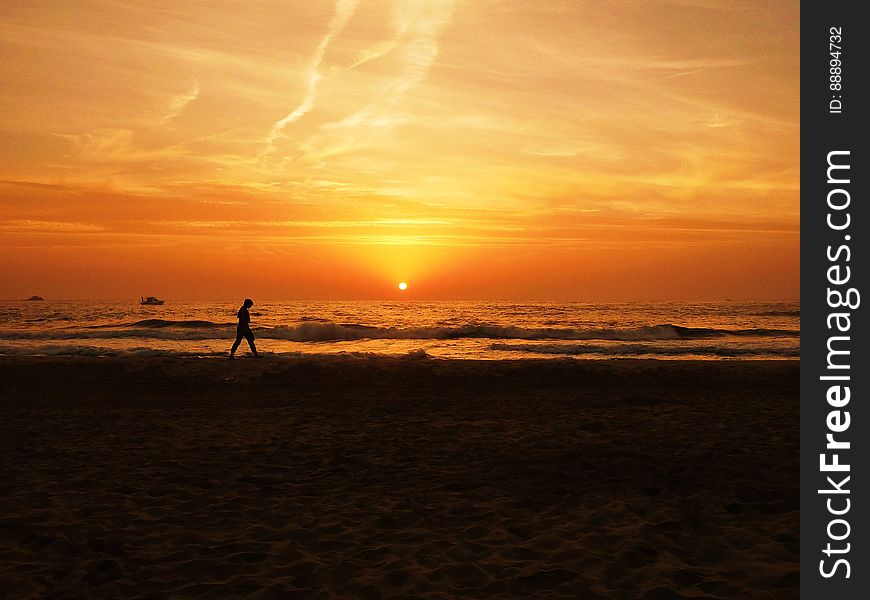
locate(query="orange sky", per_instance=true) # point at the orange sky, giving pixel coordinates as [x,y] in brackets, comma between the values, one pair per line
[560,150]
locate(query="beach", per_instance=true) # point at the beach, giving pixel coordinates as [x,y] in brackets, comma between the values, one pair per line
[379,477]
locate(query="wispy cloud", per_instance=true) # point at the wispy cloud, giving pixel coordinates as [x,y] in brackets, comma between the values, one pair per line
[306,224]
[554,126]
[417,25]
[116,146]
[373,52]
[30,226]
[344,10]
[178,103]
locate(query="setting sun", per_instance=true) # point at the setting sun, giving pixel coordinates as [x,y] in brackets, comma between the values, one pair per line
[504,150]
[403,286]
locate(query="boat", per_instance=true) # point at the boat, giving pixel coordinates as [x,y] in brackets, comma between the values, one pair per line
[36,299]
[150,301]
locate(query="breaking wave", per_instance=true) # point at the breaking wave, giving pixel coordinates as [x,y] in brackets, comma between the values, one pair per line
[781,313]
[163,323]
[318,331]
[647,350]
[73,350]
[141,352]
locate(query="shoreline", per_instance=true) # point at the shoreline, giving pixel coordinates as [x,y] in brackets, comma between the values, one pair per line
[347,357]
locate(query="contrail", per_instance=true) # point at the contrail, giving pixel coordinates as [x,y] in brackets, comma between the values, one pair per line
[344,10]
[418,25]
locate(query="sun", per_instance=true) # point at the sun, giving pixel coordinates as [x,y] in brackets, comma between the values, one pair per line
[403,286]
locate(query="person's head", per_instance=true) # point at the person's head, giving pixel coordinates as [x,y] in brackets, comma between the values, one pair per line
[248,303]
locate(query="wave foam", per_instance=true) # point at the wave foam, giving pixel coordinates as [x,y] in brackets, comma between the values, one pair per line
[647,349]
[317,331]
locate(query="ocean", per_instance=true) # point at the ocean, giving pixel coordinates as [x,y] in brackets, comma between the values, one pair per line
[457,330]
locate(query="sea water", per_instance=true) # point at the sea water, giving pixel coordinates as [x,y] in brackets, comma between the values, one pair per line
[464,330]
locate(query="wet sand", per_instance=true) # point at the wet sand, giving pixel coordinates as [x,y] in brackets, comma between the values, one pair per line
[378,478]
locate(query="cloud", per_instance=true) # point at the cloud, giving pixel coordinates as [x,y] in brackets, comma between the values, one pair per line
[116,146]
[344,10]
[331,224]
[36,226]
[102,145]
[178,103]
[418,25]
[373,52]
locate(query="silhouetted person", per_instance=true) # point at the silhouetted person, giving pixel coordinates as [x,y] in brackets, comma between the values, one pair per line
[243,329]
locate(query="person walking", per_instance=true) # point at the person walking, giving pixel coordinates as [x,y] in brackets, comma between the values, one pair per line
[243,329]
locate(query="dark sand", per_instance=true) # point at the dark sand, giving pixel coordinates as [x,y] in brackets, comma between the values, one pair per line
[359,478]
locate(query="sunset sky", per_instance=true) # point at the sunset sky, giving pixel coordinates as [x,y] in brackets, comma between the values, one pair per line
[477,149]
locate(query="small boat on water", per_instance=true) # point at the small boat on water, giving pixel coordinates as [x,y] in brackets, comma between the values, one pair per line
[36,299]
[150,301]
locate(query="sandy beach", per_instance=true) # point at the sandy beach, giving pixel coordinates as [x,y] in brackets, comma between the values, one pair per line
[377,478]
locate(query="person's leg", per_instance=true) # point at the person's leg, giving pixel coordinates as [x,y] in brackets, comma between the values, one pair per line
[236,344]
[249,335]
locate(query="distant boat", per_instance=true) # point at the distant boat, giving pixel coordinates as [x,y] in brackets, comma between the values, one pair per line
[36,299]
[150,301]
